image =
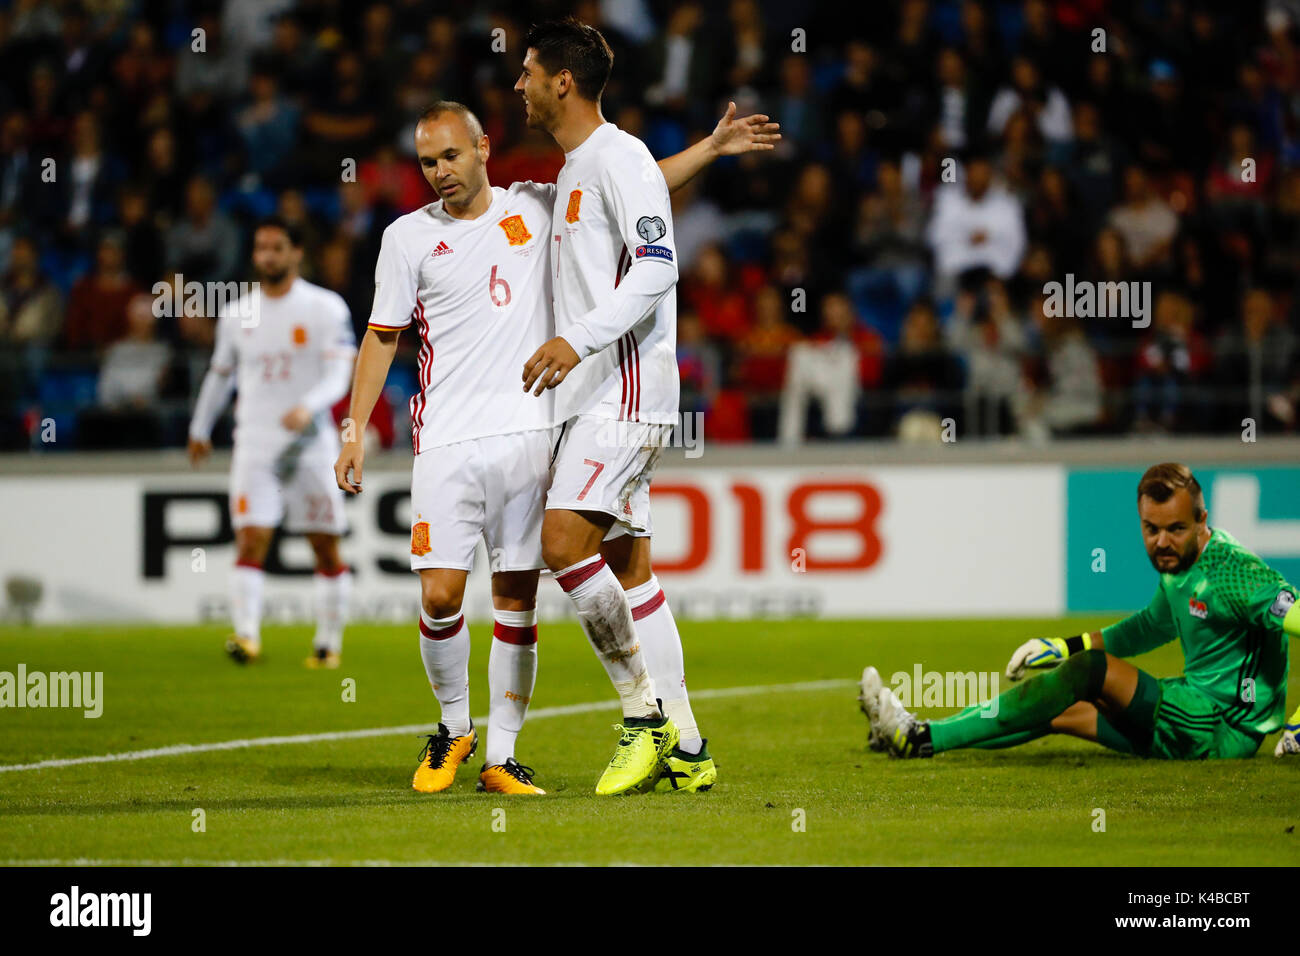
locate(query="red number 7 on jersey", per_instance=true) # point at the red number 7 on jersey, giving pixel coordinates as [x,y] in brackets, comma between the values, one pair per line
[598,467]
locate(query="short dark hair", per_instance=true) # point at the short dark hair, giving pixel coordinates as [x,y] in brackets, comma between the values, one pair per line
[279,222]
[569,44]
[1159,483]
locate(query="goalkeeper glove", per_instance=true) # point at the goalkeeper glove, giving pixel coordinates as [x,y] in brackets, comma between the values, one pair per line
[1290,742]
[1044,652]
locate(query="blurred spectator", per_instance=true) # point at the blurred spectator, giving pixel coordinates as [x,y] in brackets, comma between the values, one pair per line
[763,349]
[990,338]
[697,222]
[204,245]
[341,121]
[699,364]
[1069,399]
[681,64]
[214,70]
[30,307]
[827,371]
[1145,222]
[96,315]
[1263,355]
[1169,366]
[1045,104]
[1093,166]
[723,310]
[889,237]
[142,240]
[132,373]
[922,376]
[976,225]
[269,128]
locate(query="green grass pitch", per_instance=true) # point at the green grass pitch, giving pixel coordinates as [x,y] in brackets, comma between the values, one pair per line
[797,785]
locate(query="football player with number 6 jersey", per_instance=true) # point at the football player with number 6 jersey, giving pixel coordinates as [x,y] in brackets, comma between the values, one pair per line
[472,273]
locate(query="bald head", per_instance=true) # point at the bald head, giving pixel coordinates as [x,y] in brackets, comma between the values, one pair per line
[444,108]
[453,154]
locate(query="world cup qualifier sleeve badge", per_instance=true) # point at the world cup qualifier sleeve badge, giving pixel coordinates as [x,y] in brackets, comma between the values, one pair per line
[652,228]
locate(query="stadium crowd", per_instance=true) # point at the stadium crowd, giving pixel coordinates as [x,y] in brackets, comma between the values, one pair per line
[885,269]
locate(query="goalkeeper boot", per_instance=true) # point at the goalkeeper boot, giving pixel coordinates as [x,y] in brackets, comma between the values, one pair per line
[907,736]
[508,777]
[869,689]
[241,650]
[441,758]
[642,747]
[1289,744]
[681,772]
[322,659]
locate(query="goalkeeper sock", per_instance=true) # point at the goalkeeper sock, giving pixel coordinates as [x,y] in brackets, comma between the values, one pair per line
[1027,706]
[1011,740]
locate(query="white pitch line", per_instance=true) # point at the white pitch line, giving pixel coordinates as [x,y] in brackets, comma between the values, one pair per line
[541,713]
[84,861]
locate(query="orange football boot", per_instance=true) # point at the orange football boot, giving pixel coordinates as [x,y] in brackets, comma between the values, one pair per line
[441,758]
[508,777]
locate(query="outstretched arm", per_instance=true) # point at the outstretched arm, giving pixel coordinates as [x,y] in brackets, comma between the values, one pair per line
[730,137]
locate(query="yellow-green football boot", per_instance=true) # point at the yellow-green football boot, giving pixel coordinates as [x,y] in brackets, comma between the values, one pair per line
[644,744]
[681,772]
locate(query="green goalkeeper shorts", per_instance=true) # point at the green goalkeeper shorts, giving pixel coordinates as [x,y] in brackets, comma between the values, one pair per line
[1189,725]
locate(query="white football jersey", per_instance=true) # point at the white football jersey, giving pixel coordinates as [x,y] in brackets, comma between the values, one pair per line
[279,349]
[479,292]
[615,277]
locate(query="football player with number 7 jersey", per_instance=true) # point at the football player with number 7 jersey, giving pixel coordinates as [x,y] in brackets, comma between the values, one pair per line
[613,366]
[472,273]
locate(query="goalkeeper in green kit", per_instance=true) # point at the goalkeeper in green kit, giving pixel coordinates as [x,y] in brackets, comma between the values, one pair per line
[1231,612]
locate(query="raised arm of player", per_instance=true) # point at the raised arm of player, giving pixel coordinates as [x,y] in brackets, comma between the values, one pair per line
[218,384]
[730,137]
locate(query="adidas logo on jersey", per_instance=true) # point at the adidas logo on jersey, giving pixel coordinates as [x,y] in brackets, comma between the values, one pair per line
[442,250]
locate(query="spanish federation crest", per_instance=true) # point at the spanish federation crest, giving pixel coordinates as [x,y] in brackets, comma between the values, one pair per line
[420,539]
[575,205]
[516,232]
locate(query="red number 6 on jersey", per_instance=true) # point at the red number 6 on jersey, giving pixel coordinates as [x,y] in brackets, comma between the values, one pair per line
[493,284]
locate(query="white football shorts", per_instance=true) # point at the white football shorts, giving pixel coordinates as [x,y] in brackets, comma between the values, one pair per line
[307,500]
[606,465]
[492,489]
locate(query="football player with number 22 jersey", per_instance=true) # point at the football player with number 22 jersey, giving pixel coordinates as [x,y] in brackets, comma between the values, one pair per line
[473,273]
[289,345]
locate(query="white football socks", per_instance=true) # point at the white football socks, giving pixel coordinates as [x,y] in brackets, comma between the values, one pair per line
[606,619]
[662,645]
[333,592]
[246,582]
[444,647]
[512,672]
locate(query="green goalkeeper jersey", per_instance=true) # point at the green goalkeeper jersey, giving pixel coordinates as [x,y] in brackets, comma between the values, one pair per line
[1227,611]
